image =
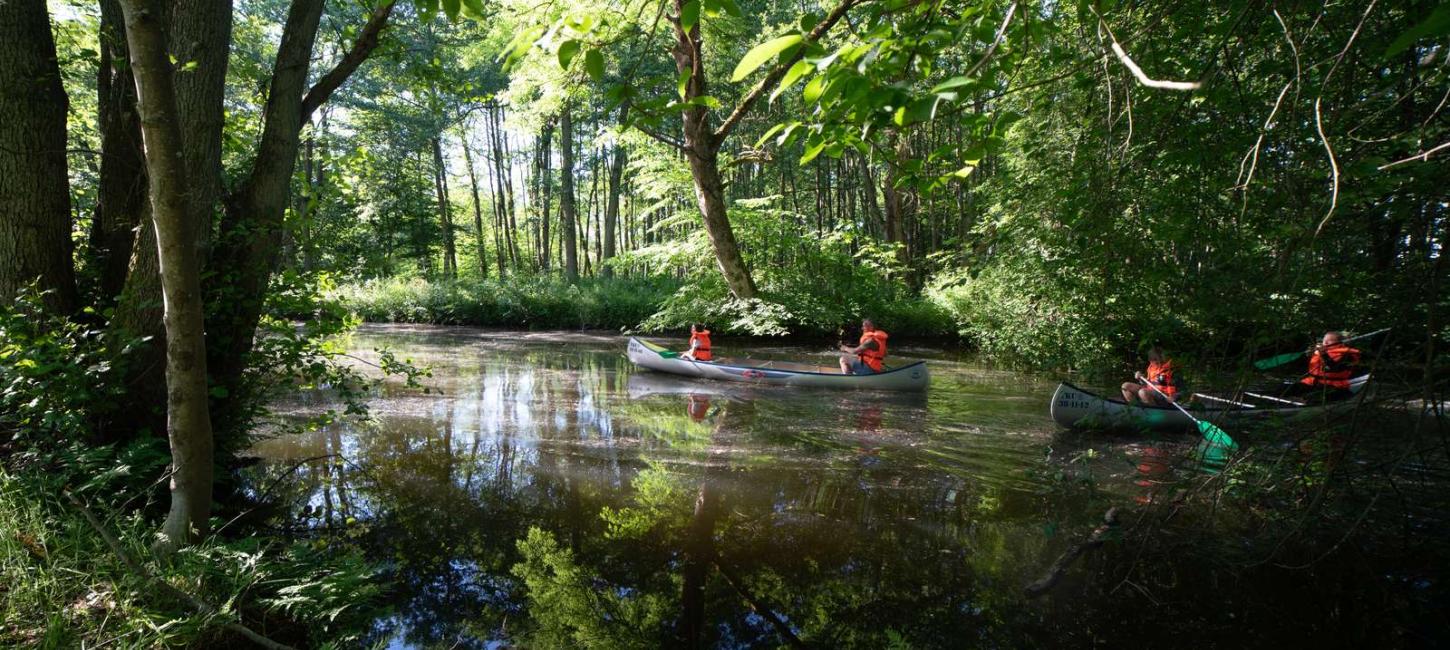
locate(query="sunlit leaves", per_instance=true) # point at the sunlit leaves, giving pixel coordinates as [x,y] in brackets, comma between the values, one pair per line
[758,55]
[567,51]
[594,64]
[794,74]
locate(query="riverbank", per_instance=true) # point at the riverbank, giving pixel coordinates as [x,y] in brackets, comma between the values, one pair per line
[637,305]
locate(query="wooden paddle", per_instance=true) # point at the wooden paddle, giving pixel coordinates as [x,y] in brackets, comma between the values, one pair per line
[1211,434]
[1290,357]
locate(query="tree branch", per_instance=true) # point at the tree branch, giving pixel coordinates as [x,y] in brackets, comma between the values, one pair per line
[997,41]
[660,137]
[778,72]
[1422,156]
[366,42]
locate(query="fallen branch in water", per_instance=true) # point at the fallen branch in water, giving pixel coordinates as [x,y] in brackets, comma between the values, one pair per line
[760,608]
[1059,567]
[166,587]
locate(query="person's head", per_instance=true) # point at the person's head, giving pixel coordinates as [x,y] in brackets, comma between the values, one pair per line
[1332,338]
[1156,354]
[867,325]
[697,327]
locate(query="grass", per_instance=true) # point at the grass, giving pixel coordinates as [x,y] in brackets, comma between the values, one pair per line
[62,587]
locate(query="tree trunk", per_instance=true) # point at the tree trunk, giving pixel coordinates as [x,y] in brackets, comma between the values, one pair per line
[445,209]
[477,210]
[568,210]
[611,205]
[703,153]
[246,253]
[121,193]
[35,218]
[188,419]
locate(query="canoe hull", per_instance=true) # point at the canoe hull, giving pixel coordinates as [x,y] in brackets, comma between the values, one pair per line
[912,377]
[1075,408]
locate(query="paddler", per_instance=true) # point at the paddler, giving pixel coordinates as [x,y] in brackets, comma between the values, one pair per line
[1331,363]
[867,357]
[699,344]
[1159,375]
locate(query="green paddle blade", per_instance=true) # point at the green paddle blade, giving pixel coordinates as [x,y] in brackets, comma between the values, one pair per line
[1275,362]
[669,354]
[1216,436]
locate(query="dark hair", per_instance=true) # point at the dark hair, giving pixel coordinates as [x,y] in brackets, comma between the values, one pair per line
[698,326]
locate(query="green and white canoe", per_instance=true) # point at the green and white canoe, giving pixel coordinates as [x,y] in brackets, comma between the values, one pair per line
[912,377]
[1076,408]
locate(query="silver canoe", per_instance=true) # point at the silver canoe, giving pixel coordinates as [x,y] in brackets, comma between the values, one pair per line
[1075,408]
[782,373]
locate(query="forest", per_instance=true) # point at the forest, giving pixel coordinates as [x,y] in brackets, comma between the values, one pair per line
[201,199]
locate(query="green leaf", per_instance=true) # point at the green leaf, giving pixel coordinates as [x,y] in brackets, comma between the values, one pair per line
[594,64]
[814,89]
[427,9]
[731,8]
[769,132]
[451,8]
[954,82]
[567,51]
[711,8]
[813,150]
[689,15]
[1436,24]
[683,84]
[758,55]
[800,69]
[474,8]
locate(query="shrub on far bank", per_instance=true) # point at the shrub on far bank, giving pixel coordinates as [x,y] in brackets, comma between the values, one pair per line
[535,302]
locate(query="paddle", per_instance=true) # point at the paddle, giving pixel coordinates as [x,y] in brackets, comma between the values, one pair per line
[1211,434]
[1290,357]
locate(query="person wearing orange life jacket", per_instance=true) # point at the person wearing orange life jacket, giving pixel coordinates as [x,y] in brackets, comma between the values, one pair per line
[867,357]
[699,344]
[1159,375]
[1331,363]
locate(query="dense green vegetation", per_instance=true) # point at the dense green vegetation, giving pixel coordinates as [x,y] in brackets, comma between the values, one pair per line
[1060,184]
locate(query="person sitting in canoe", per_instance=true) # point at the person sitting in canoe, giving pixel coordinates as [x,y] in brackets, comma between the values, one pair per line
[867,357]
[1331,363]
[699,344]
[1160,374]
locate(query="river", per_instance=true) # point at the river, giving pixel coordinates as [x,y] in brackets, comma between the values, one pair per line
[546,493]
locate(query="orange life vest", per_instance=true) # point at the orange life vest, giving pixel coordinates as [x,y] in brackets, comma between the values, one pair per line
[1161,375]
[873,358]
[1331,367]
[702,352]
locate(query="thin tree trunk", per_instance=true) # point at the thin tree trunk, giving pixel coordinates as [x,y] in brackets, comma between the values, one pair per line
[35,217]
[477,210]
[568,210]
[611,206]
[188,419]
[445,209]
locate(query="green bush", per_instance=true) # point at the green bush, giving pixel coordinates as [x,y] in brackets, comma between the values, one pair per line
[541,302]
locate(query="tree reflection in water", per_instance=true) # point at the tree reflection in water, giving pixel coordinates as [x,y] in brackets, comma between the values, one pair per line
[553,498]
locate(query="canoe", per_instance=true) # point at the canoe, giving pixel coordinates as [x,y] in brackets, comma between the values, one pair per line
[1076,408]
[779,373]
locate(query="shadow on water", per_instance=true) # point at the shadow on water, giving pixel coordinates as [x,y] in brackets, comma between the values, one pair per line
[552,496]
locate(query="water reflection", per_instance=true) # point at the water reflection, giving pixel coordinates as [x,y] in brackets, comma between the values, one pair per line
[552,497]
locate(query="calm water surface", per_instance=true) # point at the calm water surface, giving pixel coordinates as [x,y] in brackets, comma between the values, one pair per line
[548,494]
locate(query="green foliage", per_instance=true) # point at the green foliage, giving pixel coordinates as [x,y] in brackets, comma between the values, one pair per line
[63,587]
[537,302]
[57,376]
[808,285]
